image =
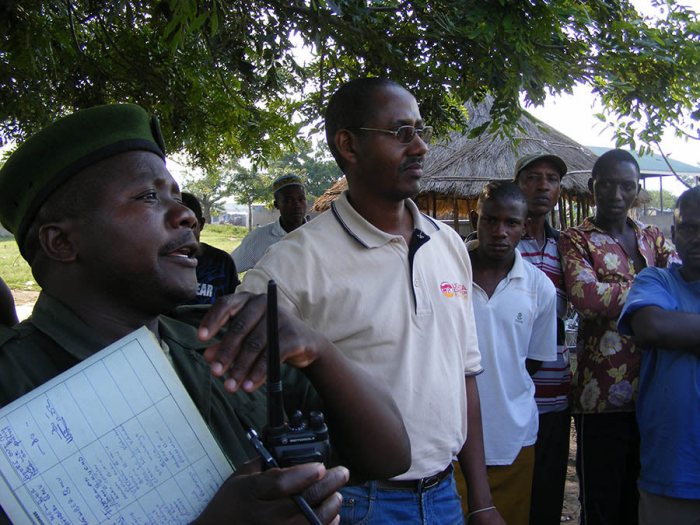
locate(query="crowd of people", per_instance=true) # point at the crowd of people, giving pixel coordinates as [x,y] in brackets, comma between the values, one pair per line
[441,366]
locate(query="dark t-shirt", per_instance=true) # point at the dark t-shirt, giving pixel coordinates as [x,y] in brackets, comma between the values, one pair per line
[216,275]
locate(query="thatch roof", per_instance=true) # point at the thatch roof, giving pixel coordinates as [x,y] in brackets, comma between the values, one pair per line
[459,166]
[332,193]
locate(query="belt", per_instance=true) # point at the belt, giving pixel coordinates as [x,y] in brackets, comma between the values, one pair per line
[417,485]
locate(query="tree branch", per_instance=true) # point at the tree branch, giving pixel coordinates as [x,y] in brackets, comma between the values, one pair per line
[663,155]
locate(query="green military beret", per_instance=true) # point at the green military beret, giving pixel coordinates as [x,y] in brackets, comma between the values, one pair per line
[46,160]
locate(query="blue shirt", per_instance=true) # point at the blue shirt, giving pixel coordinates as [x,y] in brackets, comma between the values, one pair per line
[668,407]
[216,275]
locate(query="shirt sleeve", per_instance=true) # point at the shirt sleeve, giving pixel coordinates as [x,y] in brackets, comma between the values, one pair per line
[543,340]
[244,255]
[472,359]
[255,281]
[649,289]
[232,280]
[590,296]
[666,254]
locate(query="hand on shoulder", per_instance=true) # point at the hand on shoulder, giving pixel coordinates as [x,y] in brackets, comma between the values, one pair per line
[240,356]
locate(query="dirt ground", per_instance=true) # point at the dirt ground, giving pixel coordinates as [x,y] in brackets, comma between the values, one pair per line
[570,512]
[25,300]
[23,297]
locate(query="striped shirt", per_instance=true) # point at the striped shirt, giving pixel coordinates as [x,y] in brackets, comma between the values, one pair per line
[553,379]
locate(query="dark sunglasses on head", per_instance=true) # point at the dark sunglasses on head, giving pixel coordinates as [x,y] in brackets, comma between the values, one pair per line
[405,134]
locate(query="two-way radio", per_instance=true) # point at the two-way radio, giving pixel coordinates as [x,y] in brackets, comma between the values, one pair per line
[299,441]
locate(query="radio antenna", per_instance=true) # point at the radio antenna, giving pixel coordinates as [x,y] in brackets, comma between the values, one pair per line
[275,407]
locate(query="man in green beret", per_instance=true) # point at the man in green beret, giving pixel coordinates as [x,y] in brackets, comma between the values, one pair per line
[290,200]
[101,222]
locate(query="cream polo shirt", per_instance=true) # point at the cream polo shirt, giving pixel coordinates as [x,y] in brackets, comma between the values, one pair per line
[255,244]
[518,322]
[405,318]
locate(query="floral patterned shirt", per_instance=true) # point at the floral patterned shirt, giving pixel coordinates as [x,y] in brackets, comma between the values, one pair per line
[598,274]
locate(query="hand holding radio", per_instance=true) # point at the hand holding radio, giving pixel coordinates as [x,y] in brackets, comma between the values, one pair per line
[299,443]
[368,431]
[299,440]
[268,497]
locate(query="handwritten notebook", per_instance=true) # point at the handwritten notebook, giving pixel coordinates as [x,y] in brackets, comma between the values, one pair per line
[115,439]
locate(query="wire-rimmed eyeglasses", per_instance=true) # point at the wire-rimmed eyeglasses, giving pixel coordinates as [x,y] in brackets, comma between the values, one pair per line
[405,134]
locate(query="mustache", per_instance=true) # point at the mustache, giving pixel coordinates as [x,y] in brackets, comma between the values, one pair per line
[411,161]
[182,239]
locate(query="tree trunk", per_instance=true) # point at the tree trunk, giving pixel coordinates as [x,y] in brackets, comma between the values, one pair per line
[206,211]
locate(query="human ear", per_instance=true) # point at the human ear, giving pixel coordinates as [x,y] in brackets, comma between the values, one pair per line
[57,242]
[346,144]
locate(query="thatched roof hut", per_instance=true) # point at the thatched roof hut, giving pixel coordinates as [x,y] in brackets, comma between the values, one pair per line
[324,201]
[458,167]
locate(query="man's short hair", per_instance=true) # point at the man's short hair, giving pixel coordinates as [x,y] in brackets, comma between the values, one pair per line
[610,158]
[351,106]
[193,204]
[501,190]
[77,197]
[688,197]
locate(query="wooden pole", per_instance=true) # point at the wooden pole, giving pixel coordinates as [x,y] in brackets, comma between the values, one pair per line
[469,216]
[562,216]
[455,214]
[571,211]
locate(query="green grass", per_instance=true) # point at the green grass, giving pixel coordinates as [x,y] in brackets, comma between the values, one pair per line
[223,236]
[15,271]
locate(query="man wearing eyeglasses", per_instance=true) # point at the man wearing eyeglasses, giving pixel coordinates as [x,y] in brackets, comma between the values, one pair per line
[391,288]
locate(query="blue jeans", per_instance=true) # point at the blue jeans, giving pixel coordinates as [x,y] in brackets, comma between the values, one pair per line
[369,505]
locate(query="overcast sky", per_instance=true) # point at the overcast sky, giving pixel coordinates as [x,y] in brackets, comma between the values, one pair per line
[572,115]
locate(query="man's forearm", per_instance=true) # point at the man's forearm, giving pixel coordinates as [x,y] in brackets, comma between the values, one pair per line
[364,420]
[654,326]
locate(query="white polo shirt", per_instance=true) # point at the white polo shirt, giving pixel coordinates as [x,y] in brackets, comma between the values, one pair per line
[407,321]
[518,322]
[255,244]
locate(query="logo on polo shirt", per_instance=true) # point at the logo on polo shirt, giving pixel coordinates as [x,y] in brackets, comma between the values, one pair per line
[519,318]
[450,290]
[447,289]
